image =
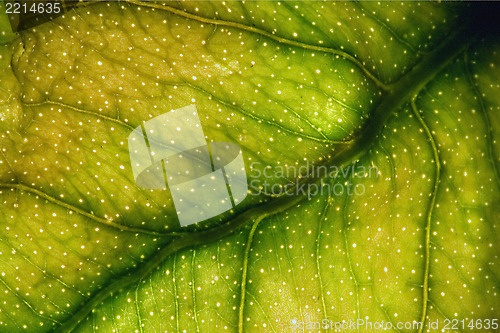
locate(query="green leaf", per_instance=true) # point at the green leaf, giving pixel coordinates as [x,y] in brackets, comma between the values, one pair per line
[370,137]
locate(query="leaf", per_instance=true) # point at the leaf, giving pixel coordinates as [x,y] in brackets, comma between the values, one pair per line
[398,102]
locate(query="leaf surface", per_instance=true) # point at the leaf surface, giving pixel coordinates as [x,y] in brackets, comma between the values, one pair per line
[401,99]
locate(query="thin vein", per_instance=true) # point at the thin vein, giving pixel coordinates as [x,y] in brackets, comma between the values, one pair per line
[98,219]
[264,33]
[137,310]
[40,269]
[438,309]
[386,26]
[63,105]
[318,244]
[25,302]
[207,93]
[176,297]
[193,289]
[245,272]
[484,112]
[263,311]
[349,261]
[432,203]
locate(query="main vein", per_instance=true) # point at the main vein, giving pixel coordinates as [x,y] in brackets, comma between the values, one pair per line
[399,92]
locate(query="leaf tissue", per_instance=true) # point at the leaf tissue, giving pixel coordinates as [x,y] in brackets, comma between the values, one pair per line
[369,133]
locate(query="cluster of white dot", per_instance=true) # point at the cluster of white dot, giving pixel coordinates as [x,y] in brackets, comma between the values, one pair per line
[85,85]
[374,32]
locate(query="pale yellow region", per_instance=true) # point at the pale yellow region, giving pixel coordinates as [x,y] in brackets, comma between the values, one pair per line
[10,106]
[218,69]
[289,308]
